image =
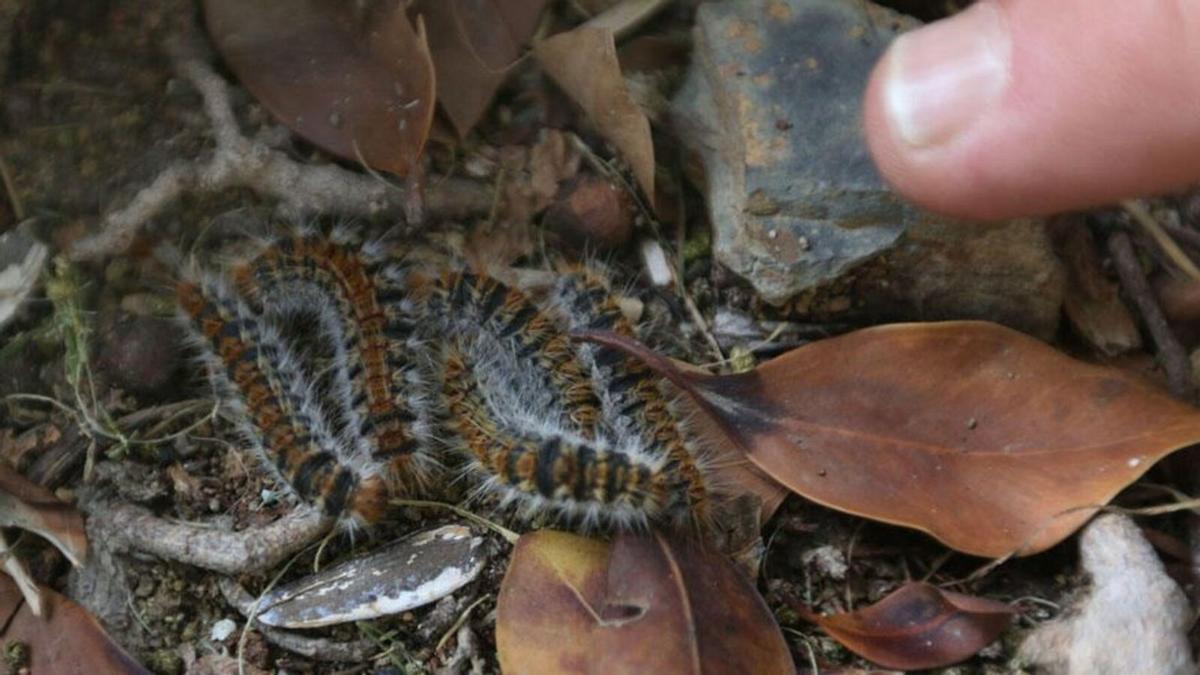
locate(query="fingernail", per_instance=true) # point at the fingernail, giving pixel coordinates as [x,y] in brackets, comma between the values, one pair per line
[942,78]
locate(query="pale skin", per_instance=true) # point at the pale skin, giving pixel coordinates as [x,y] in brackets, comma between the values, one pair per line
[1027,107]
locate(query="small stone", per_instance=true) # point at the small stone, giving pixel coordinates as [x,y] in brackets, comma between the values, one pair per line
[222,629]
[592,213]
[827,561]
[140,354]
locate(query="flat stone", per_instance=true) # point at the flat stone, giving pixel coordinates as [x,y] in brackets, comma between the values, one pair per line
[772,106]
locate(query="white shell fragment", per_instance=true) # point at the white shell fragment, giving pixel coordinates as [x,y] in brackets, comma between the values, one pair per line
[409,573]
[21,262]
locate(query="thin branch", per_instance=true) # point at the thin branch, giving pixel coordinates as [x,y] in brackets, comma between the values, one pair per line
[1149,223]
[1133,280]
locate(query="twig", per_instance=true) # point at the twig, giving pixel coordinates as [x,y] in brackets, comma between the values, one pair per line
[458,623]
[1174,357]
[1187,236]
[1160,236]
[239,161]
[133,528]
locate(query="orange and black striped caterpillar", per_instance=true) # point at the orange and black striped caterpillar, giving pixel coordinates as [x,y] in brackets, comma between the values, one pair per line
[356,377]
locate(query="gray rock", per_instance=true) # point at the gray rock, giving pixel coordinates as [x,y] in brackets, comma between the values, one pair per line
[772,105]
[1134,619]
[1004,272]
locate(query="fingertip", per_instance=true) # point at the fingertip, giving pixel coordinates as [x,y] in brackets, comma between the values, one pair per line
[1093,106]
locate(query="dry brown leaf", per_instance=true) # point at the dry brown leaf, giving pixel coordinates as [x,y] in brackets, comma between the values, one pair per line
[1091,301]
[31,507]
[474,44]
[642,605]
[67,640]
[918,626]
[985,438]
[583,62]
[356,82]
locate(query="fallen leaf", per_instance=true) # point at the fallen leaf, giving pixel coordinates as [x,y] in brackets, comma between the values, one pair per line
[32,507]
[918,626]
[643,604]
[354,79]
[985,438]
[583,62]
[67,640]
[474,44]
[412,572]
[1090,300]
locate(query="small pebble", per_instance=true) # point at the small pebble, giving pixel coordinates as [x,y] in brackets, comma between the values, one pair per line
[140,354]
[222,629]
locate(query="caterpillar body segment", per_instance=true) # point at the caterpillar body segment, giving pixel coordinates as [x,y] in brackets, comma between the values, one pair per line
[278,410]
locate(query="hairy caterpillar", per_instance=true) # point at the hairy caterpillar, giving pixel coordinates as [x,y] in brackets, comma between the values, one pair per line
[260,378]
[418,368]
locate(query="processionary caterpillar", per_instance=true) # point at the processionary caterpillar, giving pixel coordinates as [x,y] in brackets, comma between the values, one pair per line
[410,371]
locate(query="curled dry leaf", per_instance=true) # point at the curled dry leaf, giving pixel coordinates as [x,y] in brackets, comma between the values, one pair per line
[643,604]
[918,626]
[583,62]
[352,78]
[32,507]
[67,640]
[474,44]
[987,439]
[29,506]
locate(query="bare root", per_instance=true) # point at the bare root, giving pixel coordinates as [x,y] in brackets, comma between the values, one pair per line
[301,189]
[134,529]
